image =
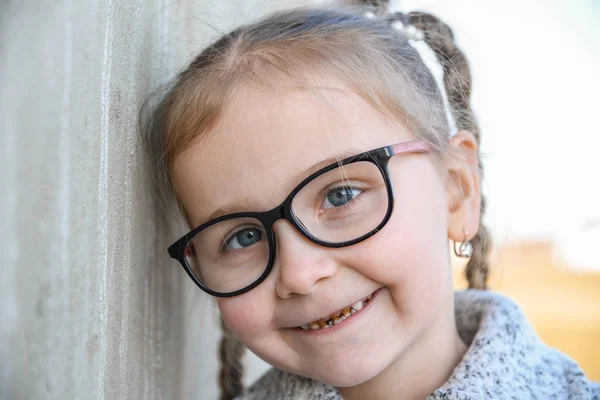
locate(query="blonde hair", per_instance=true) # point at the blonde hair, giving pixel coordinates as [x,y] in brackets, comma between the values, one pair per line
[366,54]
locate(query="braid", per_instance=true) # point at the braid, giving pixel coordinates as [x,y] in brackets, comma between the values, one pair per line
[377,4]
[231,351]
[457,80]
[478,266]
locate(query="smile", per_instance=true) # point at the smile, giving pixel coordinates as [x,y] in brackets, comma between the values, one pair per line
[339,316]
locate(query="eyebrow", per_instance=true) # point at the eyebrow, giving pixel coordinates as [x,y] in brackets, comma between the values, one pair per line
[251,205]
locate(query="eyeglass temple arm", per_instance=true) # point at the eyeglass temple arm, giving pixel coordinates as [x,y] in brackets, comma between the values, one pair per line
[416,146]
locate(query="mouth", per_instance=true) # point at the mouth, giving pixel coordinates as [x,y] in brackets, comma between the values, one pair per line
[339,316]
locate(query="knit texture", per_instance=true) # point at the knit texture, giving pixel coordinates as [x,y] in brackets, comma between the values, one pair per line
[505,360]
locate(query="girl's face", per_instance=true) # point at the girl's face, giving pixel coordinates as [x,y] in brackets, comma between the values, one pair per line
[250,162]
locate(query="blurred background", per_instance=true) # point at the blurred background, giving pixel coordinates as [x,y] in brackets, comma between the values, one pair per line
[91,307]
[535,94]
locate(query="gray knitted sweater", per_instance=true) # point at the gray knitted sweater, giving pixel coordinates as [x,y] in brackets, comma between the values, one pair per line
[505,360]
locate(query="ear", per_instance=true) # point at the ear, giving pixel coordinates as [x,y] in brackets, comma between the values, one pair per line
[463,186]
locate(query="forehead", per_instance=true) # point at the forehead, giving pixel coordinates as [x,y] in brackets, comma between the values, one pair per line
[266,137]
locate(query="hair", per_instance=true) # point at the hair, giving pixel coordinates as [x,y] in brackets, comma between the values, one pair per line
[367,55]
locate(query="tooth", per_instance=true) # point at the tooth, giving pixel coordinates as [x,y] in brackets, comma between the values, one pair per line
[338,317]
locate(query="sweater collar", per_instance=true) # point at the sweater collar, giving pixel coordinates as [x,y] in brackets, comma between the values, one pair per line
[505,357]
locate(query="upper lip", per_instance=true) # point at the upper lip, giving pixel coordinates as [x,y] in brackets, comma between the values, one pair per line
[325,315]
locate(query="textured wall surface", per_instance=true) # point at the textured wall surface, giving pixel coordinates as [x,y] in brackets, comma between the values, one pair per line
[91,308]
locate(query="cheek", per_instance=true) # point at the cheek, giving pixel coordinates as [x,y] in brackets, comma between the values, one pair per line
[411,251]
[410,258]
[405,254]
[247,315]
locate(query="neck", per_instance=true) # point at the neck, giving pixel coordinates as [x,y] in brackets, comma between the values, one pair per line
[419,371]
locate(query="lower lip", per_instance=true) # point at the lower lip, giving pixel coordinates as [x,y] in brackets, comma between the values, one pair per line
[346,322]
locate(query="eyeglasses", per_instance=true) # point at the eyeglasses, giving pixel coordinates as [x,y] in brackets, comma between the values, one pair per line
[339,205]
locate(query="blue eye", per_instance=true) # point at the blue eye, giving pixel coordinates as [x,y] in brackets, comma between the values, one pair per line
[244,238]
[339,197]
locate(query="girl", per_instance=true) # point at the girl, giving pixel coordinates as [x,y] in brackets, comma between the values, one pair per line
[322,159]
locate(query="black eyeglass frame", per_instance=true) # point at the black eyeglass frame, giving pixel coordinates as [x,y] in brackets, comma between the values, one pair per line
[380,157]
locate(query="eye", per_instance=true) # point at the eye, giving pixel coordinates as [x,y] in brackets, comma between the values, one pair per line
[339,197]
[244,239]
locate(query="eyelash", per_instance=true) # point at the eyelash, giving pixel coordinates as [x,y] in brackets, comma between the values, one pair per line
[226,238]
[345,206]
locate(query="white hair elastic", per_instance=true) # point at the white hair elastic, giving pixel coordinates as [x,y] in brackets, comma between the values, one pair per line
[416,40]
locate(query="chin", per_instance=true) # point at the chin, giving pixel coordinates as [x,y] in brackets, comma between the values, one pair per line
[346,372]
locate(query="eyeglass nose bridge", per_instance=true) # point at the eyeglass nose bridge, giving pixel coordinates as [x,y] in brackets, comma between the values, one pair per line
[283,211]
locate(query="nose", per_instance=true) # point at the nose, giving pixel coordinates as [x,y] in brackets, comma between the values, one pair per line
[300,264]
